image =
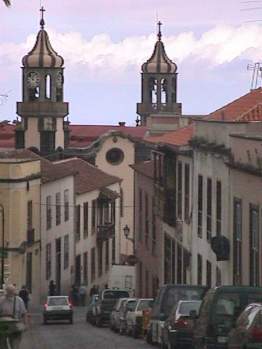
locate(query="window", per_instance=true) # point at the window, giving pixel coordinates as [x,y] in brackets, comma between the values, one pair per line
[48,261]
[209,209]
[93,216]
[58,208]
[140,228]
[140,279]
[153,227]
[199,269]
[146,220]
[218,277]
[121,203]
[218,207]
[78,221]
[179,190]
[113,212]
[200,206]
[100,259]
[147,283]
[237,242]
[66,251]
[107,254]
[48,212]
[209,274]
[85,268]
[93,264]
[48,86]
[66,204]
[29,215]
[29,267]
[168,260]
[179,264]
[115,156]
[113,250]
[187,190]
[85,220]
[254,245]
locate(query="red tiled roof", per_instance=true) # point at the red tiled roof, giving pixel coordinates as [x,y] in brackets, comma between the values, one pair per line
[146,168]
[88,177]
[178,137]
[83,135]
[7,136]
[241,108]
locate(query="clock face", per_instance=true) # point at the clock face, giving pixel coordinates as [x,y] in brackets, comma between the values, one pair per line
[33,79]
[59,80]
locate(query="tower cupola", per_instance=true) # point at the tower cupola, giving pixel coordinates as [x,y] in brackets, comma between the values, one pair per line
[159,85]
[42,109]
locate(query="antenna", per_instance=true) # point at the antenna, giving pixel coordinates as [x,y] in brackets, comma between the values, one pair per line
[256,74]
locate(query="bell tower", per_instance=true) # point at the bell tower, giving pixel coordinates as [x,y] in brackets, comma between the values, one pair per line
[159,87]
[42,109]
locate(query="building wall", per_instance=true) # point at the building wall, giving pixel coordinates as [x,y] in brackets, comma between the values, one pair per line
[16,190]
[124,172]
[32,135]
[57,231]
[86,243]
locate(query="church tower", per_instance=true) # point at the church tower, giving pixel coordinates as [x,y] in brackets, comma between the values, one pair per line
[42,110]
[159,89]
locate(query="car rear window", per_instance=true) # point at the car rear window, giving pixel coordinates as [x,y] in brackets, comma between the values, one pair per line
[187,307]
[144,304]
[115,294]
[57,301]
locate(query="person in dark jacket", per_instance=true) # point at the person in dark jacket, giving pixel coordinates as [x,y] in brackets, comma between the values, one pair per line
[24,294]
[52,288]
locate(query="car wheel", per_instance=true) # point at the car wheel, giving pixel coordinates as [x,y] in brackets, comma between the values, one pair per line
[134,332]
[98,322]
[45,321]
[149,336]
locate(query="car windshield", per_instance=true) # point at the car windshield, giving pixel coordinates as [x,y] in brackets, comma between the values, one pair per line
[186,307]
[226,307]
[173,295]
[115,294]
[57,301]
[144,304]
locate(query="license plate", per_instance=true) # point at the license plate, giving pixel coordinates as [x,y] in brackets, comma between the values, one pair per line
[58,308]
[222,340]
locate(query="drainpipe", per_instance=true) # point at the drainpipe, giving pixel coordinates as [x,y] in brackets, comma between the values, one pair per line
[3,244]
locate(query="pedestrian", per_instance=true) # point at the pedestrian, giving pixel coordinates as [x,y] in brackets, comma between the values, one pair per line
[82,295]
[24,294]
[93,290]
[74,295]
[13,307]
[52,288]
[106,286]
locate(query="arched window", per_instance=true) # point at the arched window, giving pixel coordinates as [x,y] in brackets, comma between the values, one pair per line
[153,90]
[163,91]
[48,86]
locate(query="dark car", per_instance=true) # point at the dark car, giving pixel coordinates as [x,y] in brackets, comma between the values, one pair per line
[219,310]
[89,309]
[178,328]
[105,304]
[57,308]
[248,331]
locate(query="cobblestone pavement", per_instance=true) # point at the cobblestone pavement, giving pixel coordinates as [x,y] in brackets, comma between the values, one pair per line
[80,335]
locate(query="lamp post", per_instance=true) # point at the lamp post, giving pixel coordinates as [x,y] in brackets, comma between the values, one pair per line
[3,245]
[126,230]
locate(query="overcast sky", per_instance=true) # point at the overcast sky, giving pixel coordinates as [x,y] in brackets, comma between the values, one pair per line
[105,42]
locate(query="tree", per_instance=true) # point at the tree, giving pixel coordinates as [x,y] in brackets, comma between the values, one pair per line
[7,2]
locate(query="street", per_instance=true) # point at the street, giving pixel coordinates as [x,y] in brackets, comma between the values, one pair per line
[80,335]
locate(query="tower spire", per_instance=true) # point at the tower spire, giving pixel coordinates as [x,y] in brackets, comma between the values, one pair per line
[159,34]
[42,21]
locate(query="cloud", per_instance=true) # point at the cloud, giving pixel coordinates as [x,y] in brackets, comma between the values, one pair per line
[219,45]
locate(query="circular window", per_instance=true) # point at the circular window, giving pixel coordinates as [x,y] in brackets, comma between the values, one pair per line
[115,156]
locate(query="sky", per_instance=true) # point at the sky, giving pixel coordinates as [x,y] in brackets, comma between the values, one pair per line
[105,42]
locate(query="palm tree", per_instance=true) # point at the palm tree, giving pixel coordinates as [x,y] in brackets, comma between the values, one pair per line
[7,2]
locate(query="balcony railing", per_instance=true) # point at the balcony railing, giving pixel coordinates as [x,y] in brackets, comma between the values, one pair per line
[105,231]
[30,236]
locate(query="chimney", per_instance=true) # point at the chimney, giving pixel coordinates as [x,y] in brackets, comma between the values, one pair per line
[122,123]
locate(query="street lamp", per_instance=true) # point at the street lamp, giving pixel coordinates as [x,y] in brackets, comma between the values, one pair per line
[127,232]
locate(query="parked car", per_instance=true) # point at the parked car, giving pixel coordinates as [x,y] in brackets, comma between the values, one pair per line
[105,304]
[167,298]
[178,328]
[57,308]
[128,305]
[89,309]
[248,331]
[115,315]
[218,313]
[134,318]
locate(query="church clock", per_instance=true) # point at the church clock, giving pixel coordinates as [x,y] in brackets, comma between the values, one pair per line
[33,79]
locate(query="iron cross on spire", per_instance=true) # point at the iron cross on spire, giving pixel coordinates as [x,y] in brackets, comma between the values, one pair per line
[159,30]
[42,22]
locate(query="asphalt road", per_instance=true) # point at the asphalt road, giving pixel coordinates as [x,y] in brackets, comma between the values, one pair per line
[80,335]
